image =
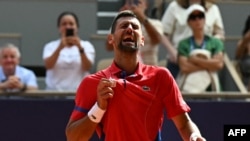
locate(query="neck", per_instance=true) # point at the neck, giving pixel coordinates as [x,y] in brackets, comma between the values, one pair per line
[126,62]
[198,37]
[199,34]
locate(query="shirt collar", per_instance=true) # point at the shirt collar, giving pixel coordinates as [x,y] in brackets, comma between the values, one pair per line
[115,71]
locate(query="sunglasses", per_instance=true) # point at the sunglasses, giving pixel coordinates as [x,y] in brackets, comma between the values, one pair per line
[195,16]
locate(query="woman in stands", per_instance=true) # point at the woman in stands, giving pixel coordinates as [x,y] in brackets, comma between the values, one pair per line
[68,59]
[176,28]
[243,54]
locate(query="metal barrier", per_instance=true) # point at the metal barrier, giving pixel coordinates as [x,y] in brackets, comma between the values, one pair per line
[51,94]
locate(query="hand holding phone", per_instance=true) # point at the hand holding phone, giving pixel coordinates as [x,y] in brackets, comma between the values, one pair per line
[69,32]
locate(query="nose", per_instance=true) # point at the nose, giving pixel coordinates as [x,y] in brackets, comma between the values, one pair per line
[129,29]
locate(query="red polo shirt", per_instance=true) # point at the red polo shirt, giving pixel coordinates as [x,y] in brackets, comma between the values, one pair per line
[135,111]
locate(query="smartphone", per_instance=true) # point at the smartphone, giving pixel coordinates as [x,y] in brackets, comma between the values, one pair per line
[69,32]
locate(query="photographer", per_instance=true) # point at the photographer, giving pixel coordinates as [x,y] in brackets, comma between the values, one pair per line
[68,59]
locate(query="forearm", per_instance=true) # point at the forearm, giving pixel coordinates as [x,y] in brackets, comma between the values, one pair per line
[188,130]
[86,63]
[168,45]
[209,64]
[153,34]
[186,127]
[189,68]
[81,130]
[51,61]
[186,66]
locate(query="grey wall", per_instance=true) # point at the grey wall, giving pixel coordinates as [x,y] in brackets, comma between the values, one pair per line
[35,21]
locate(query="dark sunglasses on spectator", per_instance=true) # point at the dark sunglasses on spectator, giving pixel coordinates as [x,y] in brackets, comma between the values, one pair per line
[195,16]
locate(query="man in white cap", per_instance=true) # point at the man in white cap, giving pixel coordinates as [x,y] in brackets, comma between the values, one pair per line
[200,53]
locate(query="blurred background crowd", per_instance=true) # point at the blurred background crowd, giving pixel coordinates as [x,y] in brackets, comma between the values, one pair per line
[54,45]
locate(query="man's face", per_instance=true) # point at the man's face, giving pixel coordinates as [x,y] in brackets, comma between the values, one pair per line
[128,35]
[196,20]
[9,59]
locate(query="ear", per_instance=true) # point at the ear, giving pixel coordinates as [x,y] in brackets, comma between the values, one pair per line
[142,41]
[109,42]
[110,39]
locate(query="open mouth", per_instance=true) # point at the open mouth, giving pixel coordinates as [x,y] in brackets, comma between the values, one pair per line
[129,40]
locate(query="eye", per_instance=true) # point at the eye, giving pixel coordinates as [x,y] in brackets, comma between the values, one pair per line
[135,26]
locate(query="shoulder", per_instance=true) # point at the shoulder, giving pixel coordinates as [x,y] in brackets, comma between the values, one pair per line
[53,43]
[214,40]
[172,7]
[87,45]
[24,71]
[173,4]
[158,71]
[184,42]
[216,44]
[85,42]
[212,8]
[93,79]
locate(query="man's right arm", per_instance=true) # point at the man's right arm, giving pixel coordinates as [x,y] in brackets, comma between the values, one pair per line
[83,128]
[80,130]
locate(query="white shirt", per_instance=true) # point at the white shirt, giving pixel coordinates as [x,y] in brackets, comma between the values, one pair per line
[67,72]
[175,24]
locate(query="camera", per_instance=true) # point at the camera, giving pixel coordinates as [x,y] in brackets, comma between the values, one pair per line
[69,32]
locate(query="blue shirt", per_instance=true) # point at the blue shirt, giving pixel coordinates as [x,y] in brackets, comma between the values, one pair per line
[26,76]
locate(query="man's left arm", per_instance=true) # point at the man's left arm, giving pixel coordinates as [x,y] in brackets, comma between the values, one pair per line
[187,128]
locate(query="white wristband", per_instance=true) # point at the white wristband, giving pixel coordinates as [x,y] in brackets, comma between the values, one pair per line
[193,136]
[95,114]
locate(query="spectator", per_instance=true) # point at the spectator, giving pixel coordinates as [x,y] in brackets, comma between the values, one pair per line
[69,59]
[124,102]
[243,54]
[152,30]
[15,78]
[200,56]
[176,29]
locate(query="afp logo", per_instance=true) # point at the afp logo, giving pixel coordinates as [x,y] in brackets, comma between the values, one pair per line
[236,132]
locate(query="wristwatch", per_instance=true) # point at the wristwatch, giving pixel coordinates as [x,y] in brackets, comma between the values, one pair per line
[81,51]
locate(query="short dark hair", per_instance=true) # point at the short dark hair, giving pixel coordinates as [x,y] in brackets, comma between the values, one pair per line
[125,13]
[247,26]
[67,13]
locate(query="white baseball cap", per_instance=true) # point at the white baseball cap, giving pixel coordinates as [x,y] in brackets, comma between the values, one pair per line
[194,7]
